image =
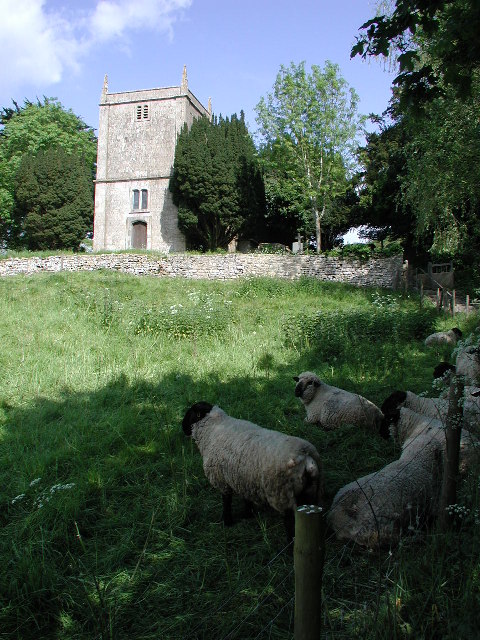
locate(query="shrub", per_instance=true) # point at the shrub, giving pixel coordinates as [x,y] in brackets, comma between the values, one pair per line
[333,333]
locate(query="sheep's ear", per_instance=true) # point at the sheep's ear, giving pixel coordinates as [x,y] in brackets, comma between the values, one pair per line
[296,378]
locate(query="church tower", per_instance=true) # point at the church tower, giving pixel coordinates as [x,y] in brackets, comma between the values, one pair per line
[137,135]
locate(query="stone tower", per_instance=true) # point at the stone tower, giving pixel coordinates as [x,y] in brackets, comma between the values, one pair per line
[137,135]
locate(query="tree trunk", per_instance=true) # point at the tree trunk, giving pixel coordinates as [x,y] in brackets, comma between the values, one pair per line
[318,230]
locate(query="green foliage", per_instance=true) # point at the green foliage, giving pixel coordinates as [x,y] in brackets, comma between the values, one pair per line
[337,334]
[204,315]
[216,182]
[308,130]
[422,170]
[33,128]
[366,251]
[449,53]
[54,200]
[442,180]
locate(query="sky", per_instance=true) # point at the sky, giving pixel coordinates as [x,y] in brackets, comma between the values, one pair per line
[232,50]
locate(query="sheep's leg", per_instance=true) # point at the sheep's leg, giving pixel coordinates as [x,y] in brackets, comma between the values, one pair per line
[247,509]
[227,509]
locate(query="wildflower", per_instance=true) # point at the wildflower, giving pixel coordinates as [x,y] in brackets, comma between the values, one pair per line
[34,482]
[18,498]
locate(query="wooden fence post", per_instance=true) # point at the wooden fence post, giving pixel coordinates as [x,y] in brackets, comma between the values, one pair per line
[453,303]
[467,304]
[309,553]
[452,452]
[421,293]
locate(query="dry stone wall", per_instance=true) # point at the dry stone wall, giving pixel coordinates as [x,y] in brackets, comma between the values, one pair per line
[375,272]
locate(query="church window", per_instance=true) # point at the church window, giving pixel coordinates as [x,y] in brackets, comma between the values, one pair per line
[140,199]
[142,112]
[136,199]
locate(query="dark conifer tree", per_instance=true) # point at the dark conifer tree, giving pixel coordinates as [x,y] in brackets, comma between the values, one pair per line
[216,183]
[53,200]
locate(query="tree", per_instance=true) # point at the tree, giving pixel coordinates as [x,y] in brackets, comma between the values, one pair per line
[308,129]
[381,207]
[53,200]
[449,52]
[442,179]
[216,182]
[435,108]
[33,128]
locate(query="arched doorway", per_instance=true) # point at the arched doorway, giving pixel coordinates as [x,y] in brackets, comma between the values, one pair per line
[139,235]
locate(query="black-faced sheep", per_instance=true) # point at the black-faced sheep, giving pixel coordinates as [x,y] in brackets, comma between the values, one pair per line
[443,368]
[449,337]
[263,466]
[331,407]
[377,509]
[432,407]
[435,407]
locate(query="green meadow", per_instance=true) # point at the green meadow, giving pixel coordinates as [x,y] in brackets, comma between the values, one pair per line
[108,527]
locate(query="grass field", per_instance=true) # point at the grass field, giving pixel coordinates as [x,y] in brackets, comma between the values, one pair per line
[108,527]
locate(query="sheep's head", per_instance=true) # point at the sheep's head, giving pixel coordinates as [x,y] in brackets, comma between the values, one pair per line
[442,368]
[393,402]
[307,385]
[196,413]
[457,332]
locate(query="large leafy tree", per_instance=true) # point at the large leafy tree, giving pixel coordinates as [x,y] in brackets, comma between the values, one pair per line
[216,182]
[381,209]
[53,200]
[308,130]
[442,179]
[449,52]
[436,111]
[33,128]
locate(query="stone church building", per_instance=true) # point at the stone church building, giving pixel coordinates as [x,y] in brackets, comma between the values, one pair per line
[137,135]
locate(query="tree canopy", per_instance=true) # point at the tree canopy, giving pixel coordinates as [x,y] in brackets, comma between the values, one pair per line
[449,52]
[423,165]
[216,182]
[308,133]
[29,130]
[53,200]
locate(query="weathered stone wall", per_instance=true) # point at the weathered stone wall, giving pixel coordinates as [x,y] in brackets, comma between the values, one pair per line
[376,272]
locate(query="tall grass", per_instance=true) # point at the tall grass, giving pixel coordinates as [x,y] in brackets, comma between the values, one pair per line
[108,527]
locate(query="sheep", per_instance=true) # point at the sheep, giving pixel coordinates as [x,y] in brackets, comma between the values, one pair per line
[263,466]
[442,369]
[376,509]
[449,337]
[331,407]
[468,364]
[434,407]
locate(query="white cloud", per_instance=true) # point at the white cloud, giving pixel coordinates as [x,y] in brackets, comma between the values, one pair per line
[40,41]
[36,46]
[118,18]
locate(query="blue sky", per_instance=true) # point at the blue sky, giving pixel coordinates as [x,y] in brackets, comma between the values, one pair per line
[233,50]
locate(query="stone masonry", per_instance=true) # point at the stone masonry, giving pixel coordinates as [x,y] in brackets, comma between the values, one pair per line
[375,272]
[136,148]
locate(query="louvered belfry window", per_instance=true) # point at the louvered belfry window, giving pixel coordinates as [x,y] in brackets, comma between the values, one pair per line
[142,112]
